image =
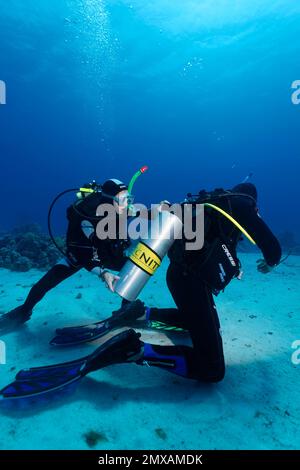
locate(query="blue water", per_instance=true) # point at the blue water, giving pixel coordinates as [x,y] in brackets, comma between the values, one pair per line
[200,91]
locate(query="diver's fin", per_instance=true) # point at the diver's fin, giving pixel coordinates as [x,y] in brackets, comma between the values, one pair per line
[124,347]
[87,334]
[82,334]
[75,335]
[42,383]
[56,370]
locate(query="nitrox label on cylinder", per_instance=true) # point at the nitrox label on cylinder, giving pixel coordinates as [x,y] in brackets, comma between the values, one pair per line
[145,258]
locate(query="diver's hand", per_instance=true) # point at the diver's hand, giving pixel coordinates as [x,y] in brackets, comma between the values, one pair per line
[263,267]
[110,279]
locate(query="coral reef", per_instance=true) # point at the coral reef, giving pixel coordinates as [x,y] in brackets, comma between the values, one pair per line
[27,247]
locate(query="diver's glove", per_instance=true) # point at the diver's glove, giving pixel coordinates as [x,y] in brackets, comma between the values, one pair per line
[263,267]
[11,320]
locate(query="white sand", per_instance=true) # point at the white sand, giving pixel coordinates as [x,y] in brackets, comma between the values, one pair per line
[133,407]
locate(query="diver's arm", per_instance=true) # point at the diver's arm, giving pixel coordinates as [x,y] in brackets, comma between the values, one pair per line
[267,243]
[262,235]
[109,264]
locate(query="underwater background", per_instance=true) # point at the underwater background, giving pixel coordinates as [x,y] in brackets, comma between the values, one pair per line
[201,92]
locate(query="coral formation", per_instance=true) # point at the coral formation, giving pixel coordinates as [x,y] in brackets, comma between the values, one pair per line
[27,247]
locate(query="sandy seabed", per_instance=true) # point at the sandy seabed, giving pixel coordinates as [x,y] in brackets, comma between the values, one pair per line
[257,406]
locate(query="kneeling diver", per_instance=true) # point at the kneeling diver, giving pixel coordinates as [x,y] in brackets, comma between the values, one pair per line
[193,277]
[84,248]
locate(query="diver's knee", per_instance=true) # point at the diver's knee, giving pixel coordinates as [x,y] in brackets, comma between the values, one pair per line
[218,377]
[212,374]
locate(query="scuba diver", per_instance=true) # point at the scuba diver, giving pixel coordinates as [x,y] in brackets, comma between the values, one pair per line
[84,248]
[193,277]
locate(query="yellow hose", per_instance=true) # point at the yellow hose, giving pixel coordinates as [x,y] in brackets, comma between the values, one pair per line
[229,217]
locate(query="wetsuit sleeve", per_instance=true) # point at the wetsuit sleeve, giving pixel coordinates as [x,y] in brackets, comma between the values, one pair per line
[111,253]
[262,235]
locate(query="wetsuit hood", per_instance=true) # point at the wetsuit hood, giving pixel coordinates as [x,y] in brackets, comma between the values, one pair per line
[246,188]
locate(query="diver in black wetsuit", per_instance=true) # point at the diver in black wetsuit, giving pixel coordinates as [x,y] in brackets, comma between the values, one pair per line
[84,248]
[193,277]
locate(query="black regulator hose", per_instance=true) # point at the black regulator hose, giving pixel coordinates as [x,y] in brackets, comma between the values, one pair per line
[49,220]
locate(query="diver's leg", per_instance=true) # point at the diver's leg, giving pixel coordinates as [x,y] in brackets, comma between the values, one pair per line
[169,316]
[205,360]
[57,274]
[52,278]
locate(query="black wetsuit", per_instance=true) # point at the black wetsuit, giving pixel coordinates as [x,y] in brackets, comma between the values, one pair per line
[83,252]
[196,310]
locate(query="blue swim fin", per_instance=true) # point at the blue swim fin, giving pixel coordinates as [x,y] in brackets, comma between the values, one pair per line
[124,347]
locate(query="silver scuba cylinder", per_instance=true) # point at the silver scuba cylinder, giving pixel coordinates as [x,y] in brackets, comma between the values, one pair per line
[147,255]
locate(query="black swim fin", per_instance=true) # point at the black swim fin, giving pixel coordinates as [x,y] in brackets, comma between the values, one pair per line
[124,347]
[82,334]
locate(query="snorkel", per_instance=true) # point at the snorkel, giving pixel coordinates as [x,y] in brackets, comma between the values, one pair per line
[135,177]
[140,172]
